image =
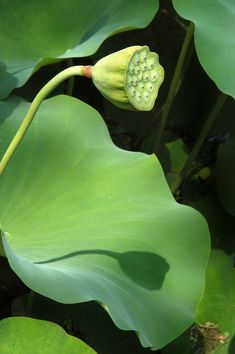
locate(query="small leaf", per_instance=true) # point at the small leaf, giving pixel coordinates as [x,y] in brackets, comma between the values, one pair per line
[218,303]
[26,335]
[177,154]
[215,314]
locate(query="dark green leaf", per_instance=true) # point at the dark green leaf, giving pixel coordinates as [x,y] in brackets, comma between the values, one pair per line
[214,37]
[36,33]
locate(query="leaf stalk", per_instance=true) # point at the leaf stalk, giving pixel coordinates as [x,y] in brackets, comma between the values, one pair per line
[175,83]
[42,94]
[196,148]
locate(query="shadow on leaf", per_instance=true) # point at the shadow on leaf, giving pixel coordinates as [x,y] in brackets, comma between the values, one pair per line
[146,269]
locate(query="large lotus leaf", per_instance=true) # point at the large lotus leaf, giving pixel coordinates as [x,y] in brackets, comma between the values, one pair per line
[218,303]
[214,37]
[84,220]
[24,335]
[36,33]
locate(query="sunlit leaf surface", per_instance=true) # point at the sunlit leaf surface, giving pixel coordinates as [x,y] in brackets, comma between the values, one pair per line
[84,220]
[26,335]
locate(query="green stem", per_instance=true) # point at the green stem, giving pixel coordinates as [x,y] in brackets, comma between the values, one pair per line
[71,79]
[42,94]
[174,85]
[203,134]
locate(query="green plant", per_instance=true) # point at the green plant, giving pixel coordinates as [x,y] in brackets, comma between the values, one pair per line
[82,219]
[27,335]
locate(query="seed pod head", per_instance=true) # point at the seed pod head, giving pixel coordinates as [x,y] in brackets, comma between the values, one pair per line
[129,78]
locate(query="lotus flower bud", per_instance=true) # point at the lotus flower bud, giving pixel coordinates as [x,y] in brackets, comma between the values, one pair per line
[129,78]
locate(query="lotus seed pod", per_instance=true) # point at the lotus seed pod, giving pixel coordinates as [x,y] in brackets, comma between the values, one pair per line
[129,78]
